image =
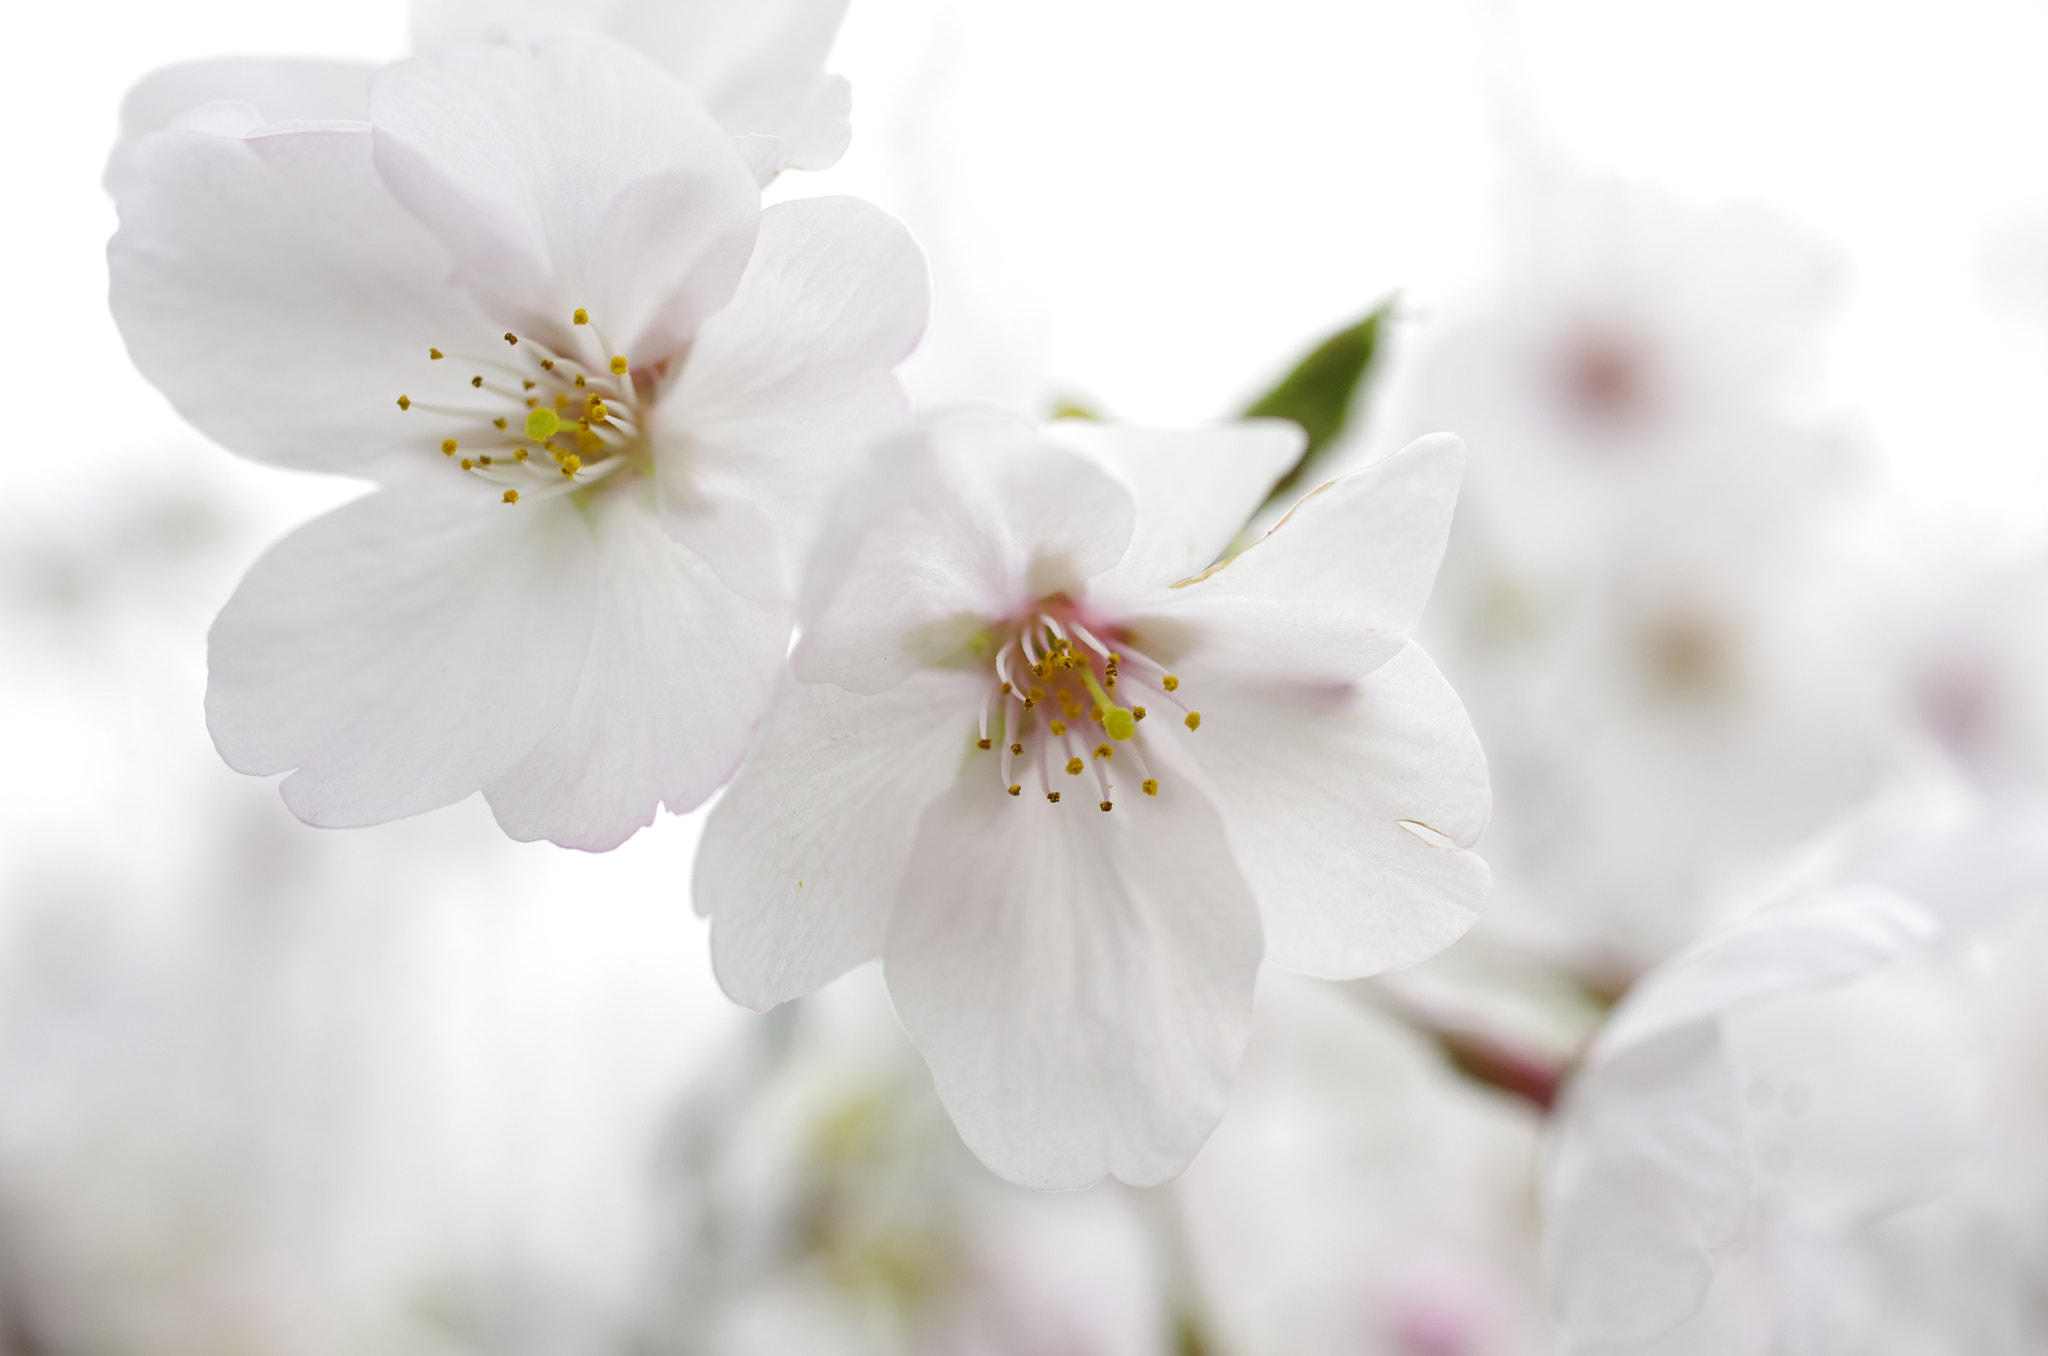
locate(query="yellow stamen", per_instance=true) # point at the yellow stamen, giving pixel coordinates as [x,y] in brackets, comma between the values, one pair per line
[1194,720]
[511,338]
[1103,751]
[1073,767]
[1053,796]
[483,461]
[1016,748]
[477,382]
[1151,786]
[1170,683]
[519,454]
[435,354]
[405,402]
[1058,727]
[1137,713]
[1105,805]
[619,367]
[1016,790]
[582,317]
[447,447]
[572,463]
[511,496]
[467,464]
[499,422]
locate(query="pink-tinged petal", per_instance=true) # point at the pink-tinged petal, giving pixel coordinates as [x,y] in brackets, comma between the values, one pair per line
[680,669]
[961,522]
[574,174]
[1080,982]
[273,89]
[403,651]
[1350,811]
[801,858]
[1195,490]
[786,388]
[282,300]
[1333,591]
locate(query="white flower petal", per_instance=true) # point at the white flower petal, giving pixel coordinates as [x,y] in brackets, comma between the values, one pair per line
[575,174]
[952,526]
[788,385]
[279,89]
[801,857]
[756,65]
[1647,1176]
[280,297]
[1349,813]
[1080,982]
[679,671]
[1195,490]
[402,651]
[1335,590]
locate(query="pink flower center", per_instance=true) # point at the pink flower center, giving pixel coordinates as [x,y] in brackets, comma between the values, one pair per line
[1062,699]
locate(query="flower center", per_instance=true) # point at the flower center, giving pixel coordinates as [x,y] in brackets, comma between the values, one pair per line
[545,421]
[1062,700]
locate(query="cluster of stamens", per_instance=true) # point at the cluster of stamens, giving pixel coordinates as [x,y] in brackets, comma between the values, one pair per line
[552,419]
[1054,705]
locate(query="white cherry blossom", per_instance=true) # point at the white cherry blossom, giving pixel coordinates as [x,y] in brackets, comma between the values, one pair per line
[535,298]
[1763,1100]
[1070,778]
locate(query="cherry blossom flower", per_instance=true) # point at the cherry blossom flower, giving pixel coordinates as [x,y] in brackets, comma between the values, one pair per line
[1637,604]
[536,300]
[1763,1101]
[758,65]
[1070,777]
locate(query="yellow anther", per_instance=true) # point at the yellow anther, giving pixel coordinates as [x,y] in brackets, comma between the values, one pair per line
[1028,703]
[483,461]
[597,410]
[547,364]
[562,400]
[510,338]
[477,382]
[1016,748]
[499,422]
[467,464]
[526,385]
[1137,713]
[1170,683]
[579,379]
[405,402]
[618,367]
[1053,796]
[984,743]
[542,423]
[589,442]
[435,354]
[519,454]
[532,401]
[1120,723]
[1074,767]
[1006,689]
[447,447]
[1105,805]
[1151,786]
[1036,694]
[511,496]
[582,317]
[1103,751]
[572,463]
[1059,727]
[1194,720]
[1016,790]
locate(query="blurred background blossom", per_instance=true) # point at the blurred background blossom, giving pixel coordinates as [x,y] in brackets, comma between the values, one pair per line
[1740,310]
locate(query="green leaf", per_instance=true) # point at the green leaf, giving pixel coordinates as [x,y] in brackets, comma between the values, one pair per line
[1321,391]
